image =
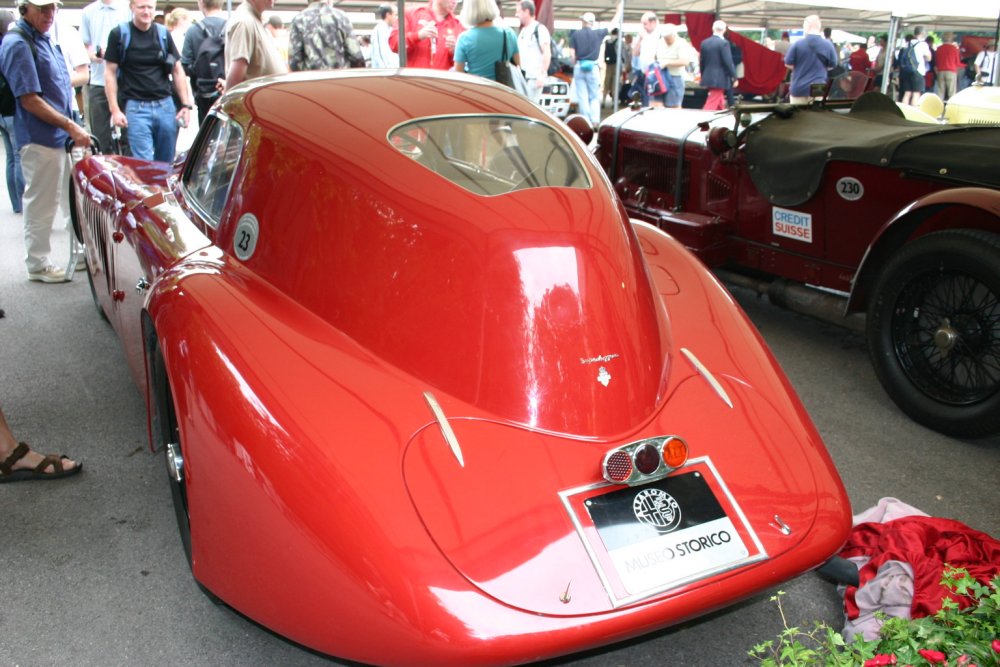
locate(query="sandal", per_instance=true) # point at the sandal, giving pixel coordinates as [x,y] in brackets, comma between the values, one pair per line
[8,474]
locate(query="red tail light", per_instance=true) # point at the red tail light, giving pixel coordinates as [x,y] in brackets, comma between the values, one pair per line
[644,461]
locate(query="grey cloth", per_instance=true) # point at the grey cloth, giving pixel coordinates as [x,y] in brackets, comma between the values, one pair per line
[889,592]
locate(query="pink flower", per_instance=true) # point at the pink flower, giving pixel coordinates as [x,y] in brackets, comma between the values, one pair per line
[996,645]
[933,657]
[880,660]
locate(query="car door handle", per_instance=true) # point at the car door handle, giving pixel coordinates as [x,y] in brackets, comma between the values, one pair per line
[141,286]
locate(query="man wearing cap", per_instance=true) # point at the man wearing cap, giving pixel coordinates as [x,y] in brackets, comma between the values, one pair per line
[39,78]
[947,61]
[586,44]
[145,65]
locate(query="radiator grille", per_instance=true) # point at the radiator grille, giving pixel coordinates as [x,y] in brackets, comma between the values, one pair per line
[651,171]
[718,189]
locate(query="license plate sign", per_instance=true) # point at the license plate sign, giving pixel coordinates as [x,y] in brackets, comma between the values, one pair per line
[666,533]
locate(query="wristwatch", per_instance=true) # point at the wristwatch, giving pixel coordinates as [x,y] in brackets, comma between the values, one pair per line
[188,106]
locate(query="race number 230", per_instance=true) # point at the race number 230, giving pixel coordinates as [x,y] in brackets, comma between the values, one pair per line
[850,188]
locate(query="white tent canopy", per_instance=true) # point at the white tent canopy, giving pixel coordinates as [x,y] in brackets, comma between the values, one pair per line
[847,15]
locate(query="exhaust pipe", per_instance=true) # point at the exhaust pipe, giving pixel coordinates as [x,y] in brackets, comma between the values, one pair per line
[799,298]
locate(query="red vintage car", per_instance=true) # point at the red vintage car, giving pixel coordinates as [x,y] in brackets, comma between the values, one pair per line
[900,220]
[424,393]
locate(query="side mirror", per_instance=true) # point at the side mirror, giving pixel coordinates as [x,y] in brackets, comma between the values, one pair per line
[581,127]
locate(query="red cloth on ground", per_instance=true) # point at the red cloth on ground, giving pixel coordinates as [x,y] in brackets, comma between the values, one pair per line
[763,69]
[927,544]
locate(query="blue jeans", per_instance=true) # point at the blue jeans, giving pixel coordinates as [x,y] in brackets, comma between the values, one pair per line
[587,91]
[15,177]
[152,128]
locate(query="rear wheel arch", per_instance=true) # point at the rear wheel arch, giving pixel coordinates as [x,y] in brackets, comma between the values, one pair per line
[913,220]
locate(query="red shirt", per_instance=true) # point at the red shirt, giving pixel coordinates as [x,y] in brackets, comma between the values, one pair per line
[859,61]
[428,53]
[947,58]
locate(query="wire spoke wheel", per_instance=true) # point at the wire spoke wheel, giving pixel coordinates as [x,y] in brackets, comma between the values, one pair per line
[945,334]
[934,331]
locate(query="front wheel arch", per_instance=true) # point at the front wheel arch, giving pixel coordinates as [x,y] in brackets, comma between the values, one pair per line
[933,331]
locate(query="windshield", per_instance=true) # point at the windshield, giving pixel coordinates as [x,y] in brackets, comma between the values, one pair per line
[492,155]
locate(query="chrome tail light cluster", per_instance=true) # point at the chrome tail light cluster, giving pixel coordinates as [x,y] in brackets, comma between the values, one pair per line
[644,461]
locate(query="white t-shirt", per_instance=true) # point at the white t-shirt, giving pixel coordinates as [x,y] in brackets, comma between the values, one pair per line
[923,53]
[382,55]
[531,47]
[987,63]
[648,44]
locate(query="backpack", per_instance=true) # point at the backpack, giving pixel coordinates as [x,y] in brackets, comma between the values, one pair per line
[908,59]
[126,38]
[209,61]
[8,102]
[611,51]
[553,53]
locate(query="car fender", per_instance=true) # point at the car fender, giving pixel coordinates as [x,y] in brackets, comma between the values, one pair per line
[901,227]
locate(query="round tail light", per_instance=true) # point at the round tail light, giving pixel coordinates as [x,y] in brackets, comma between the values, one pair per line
[617,466]
[675,452]
[647,459]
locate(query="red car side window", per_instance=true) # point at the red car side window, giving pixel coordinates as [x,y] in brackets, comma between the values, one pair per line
[211,174]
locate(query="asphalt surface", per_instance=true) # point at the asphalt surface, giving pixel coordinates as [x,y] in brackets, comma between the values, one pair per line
[92,571]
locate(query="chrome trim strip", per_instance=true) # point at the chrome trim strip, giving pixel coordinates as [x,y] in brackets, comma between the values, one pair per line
[442,420]
[707,374]
[616,603]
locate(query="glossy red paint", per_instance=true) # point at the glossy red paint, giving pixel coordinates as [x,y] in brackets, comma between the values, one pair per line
[324,500]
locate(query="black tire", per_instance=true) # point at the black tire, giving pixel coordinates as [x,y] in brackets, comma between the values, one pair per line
[166,433]
[934,331]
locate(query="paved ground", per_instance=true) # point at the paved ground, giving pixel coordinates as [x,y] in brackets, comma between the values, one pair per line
[92,571]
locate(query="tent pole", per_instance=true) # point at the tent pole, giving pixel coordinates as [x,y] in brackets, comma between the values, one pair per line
[618,60]
[890,53]
[401,25]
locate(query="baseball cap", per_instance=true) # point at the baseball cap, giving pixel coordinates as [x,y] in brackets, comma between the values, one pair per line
[39,3]
[588,17]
